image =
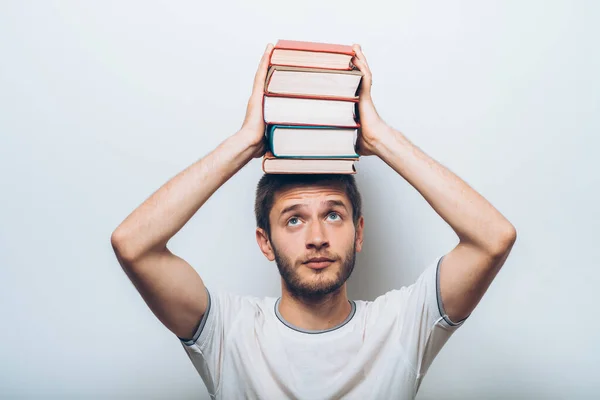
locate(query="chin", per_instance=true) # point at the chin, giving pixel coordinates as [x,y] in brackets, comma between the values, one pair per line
[322,277]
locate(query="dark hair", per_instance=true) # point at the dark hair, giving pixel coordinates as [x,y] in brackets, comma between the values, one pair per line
[269,184]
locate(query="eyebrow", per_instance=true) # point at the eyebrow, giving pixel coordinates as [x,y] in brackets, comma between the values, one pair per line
[328,203]
[336,203]
[293,207]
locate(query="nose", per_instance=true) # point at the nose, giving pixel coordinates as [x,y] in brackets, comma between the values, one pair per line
[317,237]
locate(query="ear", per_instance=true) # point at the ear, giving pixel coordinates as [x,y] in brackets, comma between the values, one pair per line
[360,225]
[264,243]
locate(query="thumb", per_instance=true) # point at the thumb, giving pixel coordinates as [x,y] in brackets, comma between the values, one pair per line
[366,80]
[263,68]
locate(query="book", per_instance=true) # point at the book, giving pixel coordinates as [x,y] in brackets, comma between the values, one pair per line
[311,141]
[312,82]
[312,55]
[310,109]
[285,110]
[274,165]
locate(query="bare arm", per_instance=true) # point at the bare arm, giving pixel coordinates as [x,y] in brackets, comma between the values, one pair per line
[168,284]
[486,237]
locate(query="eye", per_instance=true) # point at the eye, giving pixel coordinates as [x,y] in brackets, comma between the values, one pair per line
[293,221]
[333,216]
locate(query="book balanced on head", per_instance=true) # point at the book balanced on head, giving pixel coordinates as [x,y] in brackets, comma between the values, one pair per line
[309,108]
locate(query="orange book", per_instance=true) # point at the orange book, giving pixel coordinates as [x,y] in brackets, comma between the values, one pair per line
[312,55]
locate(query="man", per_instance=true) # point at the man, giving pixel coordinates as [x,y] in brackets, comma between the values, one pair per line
[313,342]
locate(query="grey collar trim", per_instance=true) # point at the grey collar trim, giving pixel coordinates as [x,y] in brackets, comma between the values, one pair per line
[280,317]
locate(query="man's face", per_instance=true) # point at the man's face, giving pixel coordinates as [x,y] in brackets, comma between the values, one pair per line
[313,239]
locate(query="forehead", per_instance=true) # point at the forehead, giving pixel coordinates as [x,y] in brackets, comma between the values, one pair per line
[309,194]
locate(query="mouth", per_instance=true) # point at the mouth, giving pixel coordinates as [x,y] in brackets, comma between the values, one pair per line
[319,262]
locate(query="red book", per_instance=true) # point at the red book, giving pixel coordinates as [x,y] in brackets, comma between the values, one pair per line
[312,55]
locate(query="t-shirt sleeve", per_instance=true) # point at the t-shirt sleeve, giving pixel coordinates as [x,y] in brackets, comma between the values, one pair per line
[205,349]
[424,328]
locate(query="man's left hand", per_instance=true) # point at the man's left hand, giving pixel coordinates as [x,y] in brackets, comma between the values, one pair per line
[373,128]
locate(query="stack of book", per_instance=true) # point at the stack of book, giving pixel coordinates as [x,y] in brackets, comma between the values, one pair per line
[310,109]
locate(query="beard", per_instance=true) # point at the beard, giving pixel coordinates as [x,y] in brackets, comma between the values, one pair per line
[320,283]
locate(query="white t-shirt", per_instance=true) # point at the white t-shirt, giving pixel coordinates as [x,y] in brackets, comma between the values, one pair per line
[244,349]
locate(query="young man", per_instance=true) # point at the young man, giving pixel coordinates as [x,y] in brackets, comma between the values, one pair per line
[313,342]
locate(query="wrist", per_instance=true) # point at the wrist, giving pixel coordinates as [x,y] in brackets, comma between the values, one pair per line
[249,143]
[391,142]
[248,139]
[379,136]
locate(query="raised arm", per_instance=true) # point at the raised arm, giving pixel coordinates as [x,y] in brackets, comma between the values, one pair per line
[486,237]
[169,285]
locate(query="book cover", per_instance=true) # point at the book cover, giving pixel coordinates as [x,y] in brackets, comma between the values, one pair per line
[314,46]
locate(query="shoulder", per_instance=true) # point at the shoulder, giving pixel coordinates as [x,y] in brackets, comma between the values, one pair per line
[384,303]
[405,297]
[228,302]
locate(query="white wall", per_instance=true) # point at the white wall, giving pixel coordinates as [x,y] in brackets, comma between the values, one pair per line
[103,102]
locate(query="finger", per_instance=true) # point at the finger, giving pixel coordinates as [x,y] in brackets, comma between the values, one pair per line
[366,82]
[360,55]
[360,64]
[261,73]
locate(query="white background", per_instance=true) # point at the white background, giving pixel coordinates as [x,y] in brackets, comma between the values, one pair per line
[101,103]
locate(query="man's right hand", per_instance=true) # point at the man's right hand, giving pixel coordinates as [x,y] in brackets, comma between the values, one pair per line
[253,128]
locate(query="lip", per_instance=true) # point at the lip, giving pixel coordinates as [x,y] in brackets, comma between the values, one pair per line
[318,263]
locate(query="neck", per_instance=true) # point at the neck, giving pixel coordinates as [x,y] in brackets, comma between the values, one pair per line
[320,313]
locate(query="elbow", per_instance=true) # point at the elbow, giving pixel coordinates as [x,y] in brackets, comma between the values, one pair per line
[504,241]
[129,249]
[121,245]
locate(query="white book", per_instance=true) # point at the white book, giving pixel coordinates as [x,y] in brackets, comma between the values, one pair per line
[312,82]
[301,111]
[272,165]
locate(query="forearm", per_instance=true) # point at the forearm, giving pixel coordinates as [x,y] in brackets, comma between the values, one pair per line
[471,216]
[151,225]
